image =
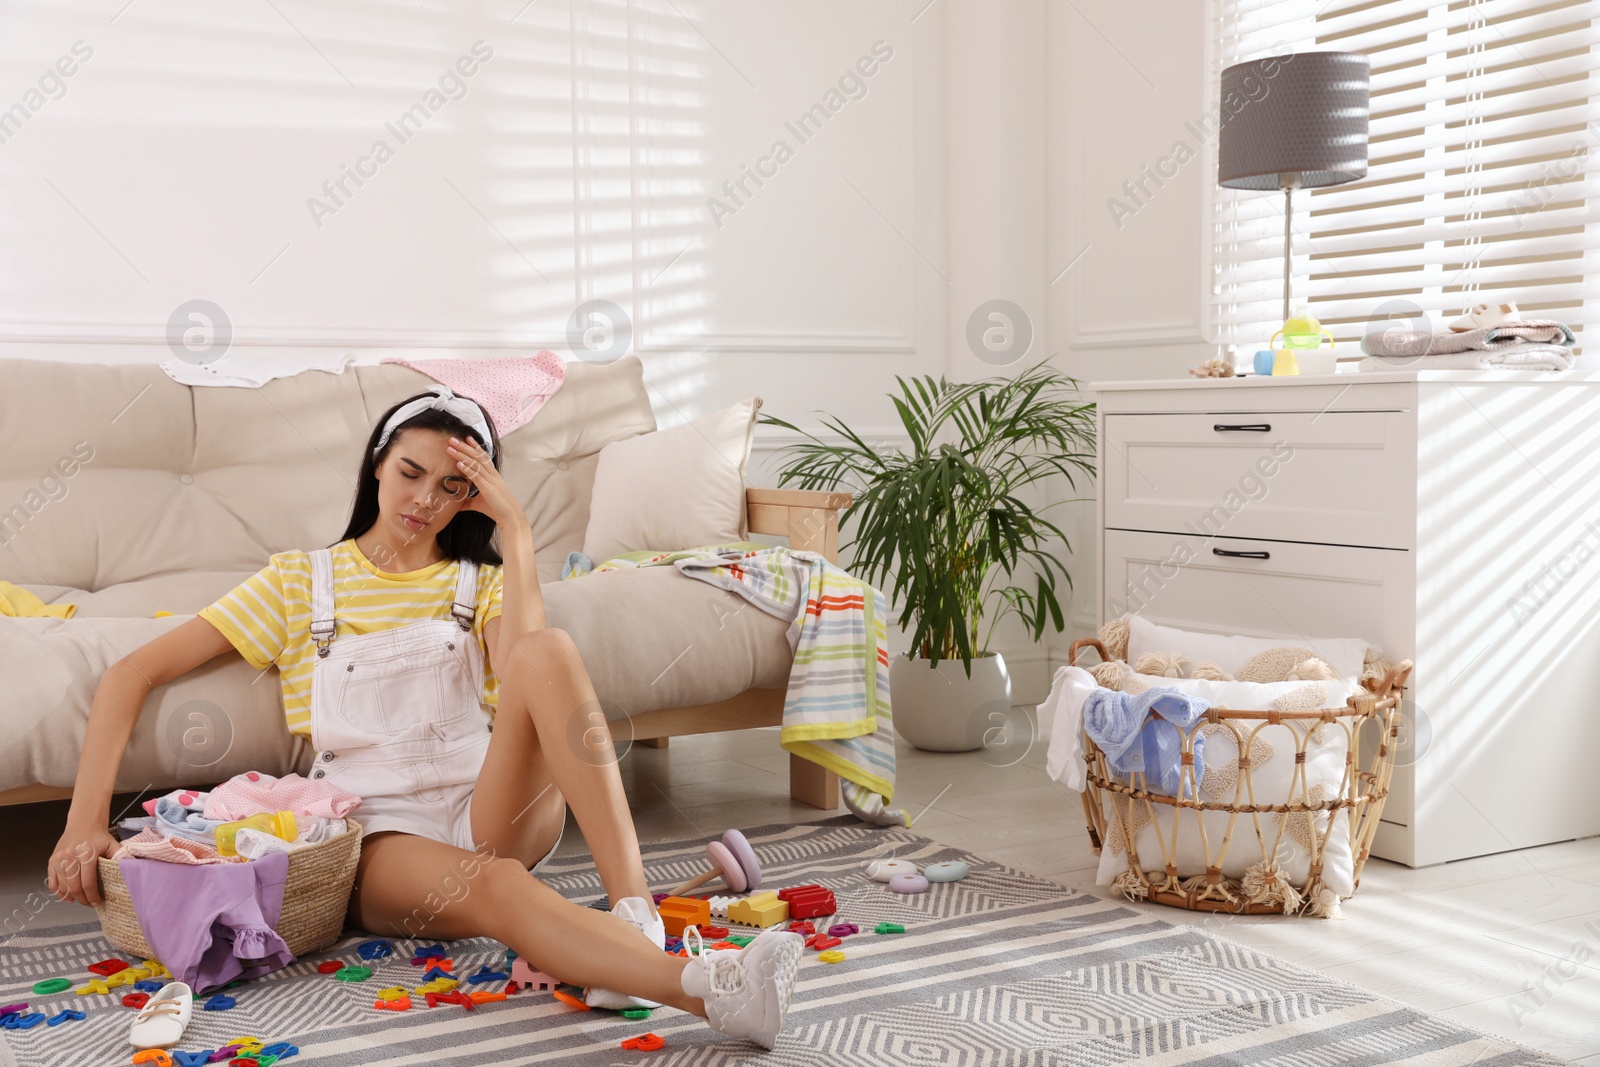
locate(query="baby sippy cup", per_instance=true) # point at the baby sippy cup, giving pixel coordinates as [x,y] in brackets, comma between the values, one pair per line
[1300,330]
[278,824]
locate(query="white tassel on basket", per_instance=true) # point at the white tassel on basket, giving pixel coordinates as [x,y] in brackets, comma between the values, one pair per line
[1131,885]
[1163,664]
[1266,884]
[1112,674]
[1114,636]
[1210,672]
[1325,904]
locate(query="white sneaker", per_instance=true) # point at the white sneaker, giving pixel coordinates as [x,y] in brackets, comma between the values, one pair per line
[637,911]
[165,1016]
[746,991]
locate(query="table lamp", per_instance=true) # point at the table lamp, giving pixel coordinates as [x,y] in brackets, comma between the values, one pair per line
[1302,124]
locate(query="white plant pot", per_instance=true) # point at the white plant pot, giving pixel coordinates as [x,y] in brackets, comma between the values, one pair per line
[939,708]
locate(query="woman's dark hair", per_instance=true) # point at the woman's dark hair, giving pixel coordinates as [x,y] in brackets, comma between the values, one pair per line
[469,534]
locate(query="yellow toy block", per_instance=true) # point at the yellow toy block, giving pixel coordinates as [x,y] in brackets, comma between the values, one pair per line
[438,985]
[156,969]
[95,985]
[126,976]
[762,909]
[394,992]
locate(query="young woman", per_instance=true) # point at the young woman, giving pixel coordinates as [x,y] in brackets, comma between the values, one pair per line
[386,643]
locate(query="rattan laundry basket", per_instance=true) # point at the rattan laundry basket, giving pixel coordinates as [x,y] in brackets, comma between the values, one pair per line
[1372,716]
[316,893]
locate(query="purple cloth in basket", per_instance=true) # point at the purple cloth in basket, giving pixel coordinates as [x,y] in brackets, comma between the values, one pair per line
[211,923]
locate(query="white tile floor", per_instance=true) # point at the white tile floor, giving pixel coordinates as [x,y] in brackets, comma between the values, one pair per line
[1507,943]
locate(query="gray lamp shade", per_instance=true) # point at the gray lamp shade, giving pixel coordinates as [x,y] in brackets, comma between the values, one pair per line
[1302,115]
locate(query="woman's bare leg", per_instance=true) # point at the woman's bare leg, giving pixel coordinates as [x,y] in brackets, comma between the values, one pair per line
[410,886]
[545,684]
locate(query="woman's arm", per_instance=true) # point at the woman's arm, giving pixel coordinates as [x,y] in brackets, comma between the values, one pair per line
[119,700]
[521,601]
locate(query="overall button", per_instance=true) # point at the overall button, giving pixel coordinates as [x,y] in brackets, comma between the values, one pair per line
[327,755]
[317,773]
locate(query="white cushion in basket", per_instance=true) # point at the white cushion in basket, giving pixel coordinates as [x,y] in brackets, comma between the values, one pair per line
[1344,654]
[1272,774]
[672,489]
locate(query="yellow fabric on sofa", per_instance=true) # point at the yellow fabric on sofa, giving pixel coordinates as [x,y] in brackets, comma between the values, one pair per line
[18,603]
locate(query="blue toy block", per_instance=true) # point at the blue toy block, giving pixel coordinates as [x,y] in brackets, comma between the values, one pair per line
[149,985]
[438,972]
[219,1003]
[486,975]
[191,1059]
[375,950]
[66,1016]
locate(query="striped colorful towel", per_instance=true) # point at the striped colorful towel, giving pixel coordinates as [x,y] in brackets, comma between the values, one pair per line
[836,711]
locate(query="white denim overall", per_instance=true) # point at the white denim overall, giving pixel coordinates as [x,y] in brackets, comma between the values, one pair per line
[396,716]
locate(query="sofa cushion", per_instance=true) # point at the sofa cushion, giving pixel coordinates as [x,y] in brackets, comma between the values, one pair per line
[673,489]
[650,638]
[141,480]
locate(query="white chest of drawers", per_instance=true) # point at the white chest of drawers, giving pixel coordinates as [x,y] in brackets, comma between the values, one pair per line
[1448,517]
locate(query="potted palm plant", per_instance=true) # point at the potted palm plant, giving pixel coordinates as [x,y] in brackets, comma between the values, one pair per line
[943,529]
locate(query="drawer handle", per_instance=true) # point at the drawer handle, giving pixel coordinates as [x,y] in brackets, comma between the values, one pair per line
[1252,427]
[1241,555]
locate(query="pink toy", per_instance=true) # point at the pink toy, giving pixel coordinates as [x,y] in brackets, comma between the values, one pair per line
[733,860]
[908,883]
[526,977]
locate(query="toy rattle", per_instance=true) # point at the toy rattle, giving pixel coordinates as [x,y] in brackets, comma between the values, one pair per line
[733,860]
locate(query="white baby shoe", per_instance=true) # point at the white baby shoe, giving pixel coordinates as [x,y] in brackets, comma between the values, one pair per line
[637,911]
[1485,315]
[746,991]
[164,1017]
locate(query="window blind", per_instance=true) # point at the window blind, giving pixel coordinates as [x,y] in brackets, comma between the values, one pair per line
[1481,186]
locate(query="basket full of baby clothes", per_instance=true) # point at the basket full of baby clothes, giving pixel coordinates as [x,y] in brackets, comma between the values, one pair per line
[235,882]
[1233,774]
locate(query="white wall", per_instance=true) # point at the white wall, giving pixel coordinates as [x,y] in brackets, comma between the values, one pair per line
[1126,88]
[185,158]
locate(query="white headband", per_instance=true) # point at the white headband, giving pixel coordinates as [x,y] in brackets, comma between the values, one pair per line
[468,411]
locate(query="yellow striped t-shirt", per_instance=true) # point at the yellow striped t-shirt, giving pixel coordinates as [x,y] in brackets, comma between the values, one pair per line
[268,616]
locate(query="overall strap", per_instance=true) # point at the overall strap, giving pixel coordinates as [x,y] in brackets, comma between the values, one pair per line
[322,617]
[465,606]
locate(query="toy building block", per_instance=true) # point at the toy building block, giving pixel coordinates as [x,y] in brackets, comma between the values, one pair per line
[808,901]
[524,977]
[762,909]
[679,912]
[719,907]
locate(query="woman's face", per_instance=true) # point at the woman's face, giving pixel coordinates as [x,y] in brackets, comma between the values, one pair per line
[419,480]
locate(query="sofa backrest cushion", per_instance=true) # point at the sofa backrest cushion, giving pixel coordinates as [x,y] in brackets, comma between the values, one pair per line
[114,473]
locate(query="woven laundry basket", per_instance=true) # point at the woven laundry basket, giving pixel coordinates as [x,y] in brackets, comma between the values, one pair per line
[316,893]
[1114,809]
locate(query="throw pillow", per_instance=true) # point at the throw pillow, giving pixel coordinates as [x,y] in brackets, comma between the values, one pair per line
[673,489]
[1344,654]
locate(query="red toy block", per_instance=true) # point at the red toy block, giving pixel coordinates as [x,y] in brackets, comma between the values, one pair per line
[821,942]
[808,901]
[714,931]
[452,997]
[107,968]
[329,966]
[802,928]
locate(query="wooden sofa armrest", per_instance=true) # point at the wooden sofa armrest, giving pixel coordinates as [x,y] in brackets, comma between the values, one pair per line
[809,518]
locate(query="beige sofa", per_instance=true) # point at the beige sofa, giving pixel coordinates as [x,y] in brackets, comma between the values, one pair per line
[126,493]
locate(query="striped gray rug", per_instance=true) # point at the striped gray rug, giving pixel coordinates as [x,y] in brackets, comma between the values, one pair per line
[1002,968]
